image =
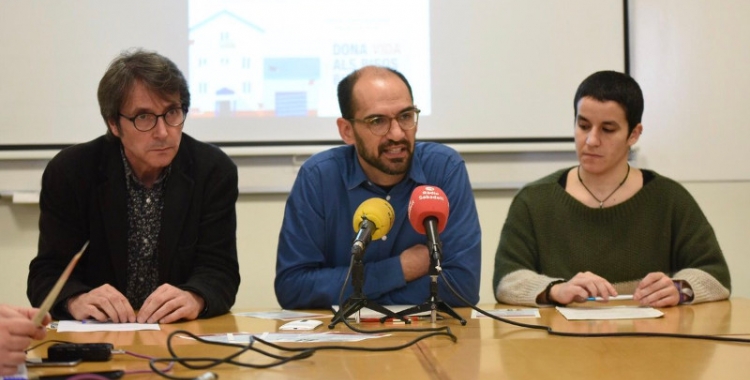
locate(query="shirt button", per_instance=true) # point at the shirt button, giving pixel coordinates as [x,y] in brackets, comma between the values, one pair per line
[388,197]
[384,238]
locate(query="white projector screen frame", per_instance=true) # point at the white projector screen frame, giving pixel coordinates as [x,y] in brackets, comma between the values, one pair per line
[500,71]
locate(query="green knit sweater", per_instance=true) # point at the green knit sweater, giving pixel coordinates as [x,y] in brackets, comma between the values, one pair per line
[550,235]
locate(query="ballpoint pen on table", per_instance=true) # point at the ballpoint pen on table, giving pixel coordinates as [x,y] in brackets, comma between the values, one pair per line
[624,297]
[412,318]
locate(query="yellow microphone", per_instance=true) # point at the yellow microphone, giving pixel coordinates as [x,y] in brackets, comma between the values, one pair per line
[372,220]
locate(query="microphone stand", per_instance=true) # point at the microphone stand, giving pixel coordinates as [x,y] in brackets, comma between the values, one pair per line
[433,303]
[358,300]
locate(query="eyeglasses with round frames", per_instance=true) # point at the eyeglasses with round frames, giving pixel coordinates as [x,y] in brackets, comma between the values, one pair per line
[381,125]
[145,122]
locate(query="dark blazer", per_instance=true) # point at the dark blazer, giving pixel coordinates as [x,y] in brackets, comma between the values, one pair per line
[84,198]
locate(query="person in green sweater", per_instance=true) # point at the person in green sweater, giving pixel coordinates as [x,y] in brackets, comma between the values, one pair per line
[603,227]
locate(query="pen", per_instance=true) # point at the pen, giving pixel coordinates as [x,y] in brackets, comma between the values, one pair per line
[412,318]
[55,291]
[624,297]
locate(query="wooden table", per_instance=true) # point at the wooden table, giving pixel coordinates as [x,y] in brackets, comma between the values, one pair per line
[486,349]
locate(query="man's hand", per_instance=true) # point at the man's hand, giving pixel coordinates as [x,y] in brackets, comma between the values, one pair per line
[103,303]
[169,304]
[657,290]
[580,287]
[415,262]
[16,332]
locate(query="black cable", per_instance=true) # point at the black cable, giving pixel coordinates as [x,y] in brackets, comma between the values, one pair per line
[346,281]
[209,362]
[46,342]
[447,333]
[300,353]
[550,331]
[202,363]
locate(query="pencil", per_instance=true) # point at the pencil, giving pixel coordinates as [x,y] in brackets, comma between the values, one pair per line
[52,295]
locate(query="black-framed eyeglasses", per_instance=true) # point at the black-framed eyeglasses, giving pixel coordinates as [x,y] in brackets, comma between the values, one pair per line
[145,122]
[379,125]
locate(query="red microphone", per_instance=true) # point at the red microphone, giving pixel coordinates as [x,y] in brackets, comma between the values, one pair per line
[428,214]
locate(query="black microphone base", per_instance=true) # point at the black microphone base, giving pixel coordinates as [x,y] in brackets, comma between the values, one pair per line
[354,304]
[430,306]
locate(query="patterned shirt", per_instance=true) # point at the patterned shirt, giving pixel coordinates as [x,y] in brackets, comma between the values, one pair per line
[145,207]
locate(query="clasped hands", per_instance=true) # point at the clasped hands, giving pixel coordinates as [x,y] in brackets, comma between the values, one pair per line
[166,304]
[655,290]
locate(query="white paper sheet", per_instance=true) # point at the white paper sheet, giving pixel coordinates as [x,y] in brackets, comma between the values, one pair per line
[90,326]
[616,312]
[282,314]
[332,336]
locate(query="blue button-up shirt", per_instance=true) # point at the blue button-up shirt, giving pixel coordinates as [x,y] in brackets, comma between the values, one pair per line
[314,250]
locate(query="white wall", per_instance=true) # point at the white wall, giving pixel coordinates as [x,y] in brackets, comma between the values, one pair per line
[691,58]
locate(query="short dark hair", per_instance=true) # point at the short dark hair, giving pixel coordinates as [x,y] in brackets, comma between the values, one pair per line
[346,89]
[155,71]
[613,86]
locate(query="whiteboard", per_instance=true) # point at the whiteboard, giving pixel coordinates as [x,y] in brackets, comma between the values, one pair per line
[502,70]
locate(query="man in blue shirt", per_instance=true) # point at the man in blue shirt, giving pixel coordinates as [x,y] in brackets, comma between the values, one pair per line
[381,159]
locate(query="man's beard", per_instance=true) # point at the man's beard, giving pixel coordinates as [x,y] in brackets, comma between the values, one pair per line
[402,165]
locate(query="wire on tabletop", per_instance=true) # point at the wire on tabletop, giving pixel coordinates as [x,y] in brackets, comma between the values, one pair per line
[95,376]
[550,331]
[46,342]
[202,363]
